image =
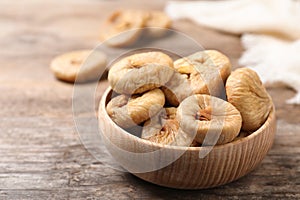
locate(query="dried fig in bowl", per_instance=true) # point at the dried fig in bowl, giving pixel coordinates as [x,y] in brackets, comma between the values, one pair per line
[140,72]
[130,111]
[210,119]
[164,128]
[177,89]
[246,92]
[205,73]
[200,68]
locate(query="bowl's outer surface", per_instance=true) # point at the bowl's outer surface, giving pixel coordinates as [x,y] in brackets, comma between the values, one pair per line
[225,163]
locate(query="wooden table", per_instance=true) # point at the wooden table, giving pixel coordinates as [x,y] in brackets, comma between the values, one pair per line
[41,154]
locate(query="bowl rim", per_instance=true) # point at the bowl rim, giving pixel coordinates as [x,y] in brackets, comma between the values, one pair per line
[102,105]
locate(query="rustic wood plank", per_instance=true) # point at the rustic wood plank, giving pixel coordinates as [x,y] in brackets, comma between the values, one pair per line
[41,154]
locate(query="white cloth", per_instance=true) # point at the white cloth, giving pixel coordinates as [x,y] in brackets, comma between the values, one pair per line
[240,16]
[274,58]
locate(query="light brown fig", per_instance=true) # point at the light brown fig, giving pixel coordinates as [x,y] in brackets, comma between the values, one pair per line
[210,119]
[242,135]
[177,89]
[127,22]
[164,128]
[246,92]
[140,72]
[130,111]
[205,71]
[82,65]
[157,23]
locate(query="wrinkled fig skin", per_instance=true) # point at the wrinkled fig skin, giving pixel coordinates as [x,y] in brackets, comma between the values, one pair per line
[128,112]
[245,91]
[210,119]
[206,72]
[220,61]
[177,89]
[141,72]
[123,27]
[164,128]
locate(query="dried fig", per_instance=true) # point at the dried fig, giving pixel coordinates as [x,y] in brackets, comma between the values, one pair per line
[246,92]
[164,128]
[158,22]
[242,135]
[177,89]
[130,22]
[140,72]
[210,119]
[203,70]
[128,112]
[69,66]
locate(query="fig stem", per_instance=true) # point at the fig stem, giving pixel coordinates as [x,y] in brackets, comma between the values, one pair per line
[204,114]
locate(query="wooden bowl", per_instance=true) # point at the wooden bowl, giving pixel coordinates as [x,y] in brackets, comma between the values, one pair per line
[183,168]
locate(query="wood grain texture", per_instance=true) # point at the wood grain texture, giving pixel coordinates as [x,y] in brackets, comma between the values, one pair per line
[41,154]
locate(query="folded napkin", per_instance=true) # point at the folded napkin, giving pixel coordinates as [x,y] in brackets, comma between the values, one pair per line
[270,28]
[275,60]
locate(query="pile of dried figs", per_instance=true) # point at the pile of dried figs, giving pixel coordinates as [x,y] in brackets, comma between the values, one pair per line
[192,101]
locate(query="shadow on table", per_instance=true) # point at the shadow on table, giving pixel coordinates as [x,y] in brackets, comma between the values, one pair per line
[149,190]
